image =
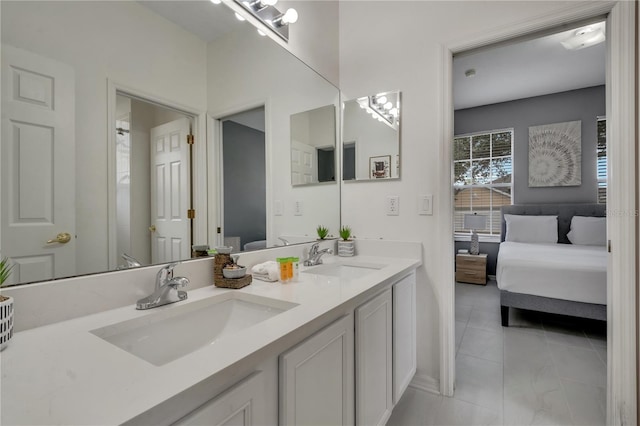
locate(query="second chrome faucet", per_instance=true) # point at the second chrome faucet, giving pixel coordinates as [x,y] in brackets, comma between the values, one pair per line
[166,290]
[315,255]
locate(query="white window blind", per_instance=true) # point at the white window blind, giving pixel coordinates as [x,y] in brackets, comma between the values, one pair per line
[483,177]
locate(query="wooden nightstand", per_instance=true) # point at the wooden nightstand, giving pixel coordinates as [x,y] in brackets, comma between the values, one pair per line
[471,268]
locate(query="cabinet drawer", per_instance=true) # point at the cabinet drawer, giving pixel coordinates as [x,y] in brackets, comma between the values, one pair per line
[471,276]
[471,260]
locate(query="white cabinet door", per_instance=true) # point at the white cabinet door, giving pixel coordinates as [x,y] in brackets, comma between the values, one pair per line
[373,360]
[404,334]
[316,378]
[243,404]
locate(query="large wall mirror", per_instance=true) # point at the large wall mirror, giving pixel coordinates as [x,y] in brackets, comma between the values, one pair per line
[371,137]
[67,171]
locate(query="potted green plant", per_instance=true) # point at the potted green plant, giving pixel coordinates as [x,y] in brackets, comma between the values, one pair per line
[6,306]
[322,232]
[346,246]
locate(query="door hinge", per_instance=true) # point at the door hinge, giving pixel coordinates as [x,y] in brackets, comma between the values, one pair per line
[219,230]
[190,139]
[191,214]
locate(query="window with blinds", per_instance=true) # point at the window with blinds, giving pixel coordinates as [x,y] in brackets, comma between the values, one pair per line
[602,160]
[483,170]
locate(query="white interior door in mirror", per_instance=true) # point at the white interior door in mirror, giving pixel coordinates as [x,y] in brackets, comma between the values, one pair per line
[38,166]
[371,137]
[313,141]
[170,226]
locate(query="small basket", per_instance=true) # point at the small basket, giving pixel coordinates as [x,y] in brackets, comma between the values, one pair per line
[219,280]
[6,322]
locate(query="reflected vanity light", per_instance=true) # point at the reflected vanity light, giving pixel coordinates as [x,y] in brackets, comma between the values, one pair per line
[266,12]
[381,108]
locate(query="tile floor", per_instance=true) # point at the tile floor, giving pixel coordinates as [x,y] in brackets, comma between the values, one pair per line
[541,370]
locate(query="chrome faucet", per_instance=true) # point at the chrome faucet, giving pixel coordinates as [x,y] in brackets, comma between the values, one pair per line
[286,242]
[166,289]
[315,255]
[131,262]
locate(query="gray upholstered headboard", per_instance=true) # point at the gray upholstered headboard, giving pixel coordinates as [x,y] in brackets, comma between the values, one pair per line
[564,212]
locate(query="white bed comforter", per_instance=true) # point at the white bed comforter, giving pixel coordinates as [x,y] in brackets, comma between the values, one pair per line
[560,271]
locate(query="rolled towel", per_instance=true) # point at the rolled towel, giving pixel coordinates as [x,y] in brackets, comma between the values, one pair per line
[266,269]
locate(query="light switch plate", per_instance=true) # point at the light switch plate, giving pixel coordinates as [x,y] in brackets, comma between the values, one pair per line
[277,207]
[297,208]
[425,204]
[393,205]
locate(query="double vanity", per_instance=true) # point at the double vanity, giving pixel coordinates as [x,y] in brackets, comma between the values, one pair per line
[336,347]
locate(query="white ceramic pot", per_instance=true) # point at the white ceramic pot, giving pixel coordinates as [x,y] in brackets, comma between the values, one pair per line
[6,322]
[346,248]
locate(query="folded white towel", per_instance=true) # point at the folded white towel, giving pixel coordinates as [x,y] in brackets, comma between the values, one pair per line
[262,277]
[267,269]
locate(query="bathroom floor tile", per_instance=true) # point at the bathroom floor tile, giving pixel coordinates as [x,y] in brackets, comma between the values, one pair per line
[482,344]
[416,407]
[587,403]
[479,382]
[578,364]
[454,412]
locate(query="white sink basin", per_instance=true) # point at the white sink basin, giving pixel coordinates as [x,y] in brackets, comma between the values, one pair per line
[178,330]
[347,271]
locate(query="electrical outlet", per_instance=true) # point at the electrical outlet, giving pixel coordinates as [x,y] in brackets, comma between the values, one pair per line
[297,208]
[425,204]
[393,205]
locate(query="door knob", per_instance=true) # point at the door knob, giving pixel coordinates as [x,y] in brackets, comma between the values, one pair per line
[152,228]
[62,238]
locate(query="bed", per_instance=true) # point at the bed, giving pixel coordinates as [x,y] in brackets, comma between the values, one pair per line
[560,278]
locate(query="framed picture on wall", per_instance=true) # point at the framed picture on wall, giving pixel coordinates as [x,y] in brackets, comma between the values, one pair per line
[380,167]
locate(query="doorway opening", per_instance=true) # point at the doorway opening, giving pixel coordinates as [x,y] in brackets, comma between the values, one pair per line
[243,184]
[153,182]
[502,102]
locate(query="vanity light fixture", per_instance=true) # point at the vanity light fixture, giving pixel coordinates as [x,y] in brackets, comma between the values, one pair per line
[266,12]
[216,1]
[240,17]
[381,108]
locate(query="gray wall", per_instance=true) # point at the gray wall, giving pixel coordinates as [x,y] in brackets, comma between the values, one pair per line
[582,104]
[244,183]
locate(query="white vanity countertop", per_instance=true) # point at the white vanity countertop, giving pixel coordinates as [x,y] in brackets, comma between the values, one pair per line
[64,374]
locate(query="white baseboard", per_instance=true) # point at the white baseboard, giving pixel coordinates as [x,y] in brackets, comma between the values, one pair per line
[425,383]
[491,277]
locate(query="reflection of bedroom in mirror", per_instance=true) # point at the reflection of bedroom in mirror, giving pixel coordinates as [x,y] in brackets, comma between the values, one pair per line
[529,156]
[244,221]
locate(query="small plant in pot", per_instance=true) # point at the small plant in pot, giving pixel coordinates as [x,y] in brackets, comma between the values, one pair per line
[346,246]
[322,232]
[6,306]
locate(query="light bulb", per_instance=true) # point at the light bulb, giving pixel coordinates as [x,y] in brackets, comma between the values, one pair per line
[290,16]
[239,17]
[381,100]
[261,33]
[388,105]
[216,1]
[269,2]
[394,112]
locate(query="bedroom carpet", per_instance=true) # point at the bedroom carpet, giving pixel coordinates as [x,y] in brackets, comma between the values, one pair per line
[542,370]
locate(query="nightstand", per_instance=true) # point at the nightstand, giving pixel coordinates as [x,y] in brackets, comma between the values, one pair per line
[471,268]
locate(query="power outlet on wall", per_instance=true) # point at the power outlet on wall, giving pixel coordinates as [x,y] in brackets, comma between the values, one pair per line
[393,205]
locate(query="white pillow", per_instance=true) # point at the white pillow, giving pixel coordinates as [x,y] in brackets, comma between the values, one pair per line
[588,231]
[531,229]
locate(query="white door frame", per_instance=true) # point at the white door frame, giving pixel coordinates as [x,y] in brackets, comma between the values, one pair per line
[198,166]
[215,172]
[622,208]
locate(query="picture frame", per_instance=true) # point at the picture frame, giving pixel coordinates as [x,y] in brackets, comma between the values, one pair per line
[380,167]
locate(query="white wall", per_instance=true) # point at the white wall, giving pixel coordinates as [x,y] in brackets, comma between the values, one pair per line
[101,40]
[406,55]
[239,65]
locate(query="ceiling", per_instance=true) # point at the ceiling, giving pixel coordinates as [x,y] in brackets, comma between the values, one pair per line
[200,17]
[511,71]
[530,68]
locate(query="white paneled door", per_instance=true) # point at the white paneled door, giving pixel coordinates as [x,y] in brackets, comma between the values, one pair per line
[170,200]
[37,166]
